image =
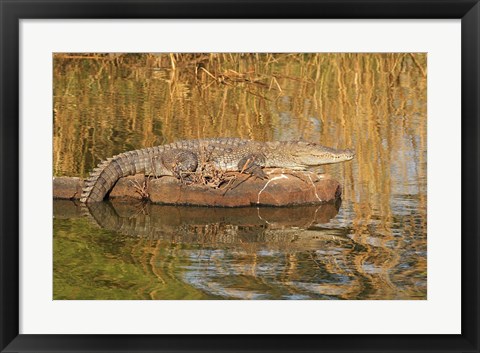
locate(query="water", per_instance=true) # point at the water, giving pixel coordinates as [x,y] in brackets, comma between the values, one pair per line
[371,246]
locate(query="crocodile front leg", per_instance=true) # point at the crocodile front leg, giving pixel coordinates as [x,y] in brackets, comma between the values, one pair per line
[253,164]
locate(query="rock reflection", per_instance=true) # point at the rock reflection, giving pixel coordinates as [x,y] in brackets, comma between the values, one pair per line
[202,225]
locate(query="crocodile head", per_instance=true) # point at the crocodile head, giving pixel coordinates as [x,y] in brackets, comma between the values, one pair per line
[308,154]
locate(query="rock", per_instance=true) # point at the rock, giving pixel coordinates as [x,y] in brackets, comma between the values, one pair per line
[280,189]
[171,191]
[67,188]
[132,187]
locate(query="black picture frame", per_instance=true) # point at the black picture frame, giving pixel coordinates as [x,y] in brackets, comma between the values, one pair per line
[12,11]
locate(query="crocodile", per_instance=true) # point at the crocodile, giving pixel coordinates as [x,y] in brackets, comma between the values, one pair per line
[227,154]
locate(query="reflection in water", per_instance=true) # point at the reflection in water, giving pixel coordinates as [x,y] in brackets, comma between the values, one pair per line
[375,247]
[204,225]
[237,253]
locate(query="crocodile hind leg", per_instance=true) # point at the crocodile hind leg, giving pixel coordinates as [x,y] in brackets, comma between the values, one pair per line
[180,163]
[253,164]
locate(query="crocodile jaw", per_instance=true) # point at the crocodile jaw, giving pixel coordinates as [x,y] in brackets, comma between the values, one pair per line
[326,158]
[304,155]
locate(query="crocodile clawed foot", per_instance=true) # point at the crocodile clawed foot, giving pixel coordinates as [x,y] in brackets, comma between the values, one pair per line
[258,173]
[252,164]
[186,178]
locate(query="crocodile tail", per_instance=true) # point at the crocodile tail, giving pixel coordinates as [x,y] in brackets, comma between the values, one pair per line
[107,173]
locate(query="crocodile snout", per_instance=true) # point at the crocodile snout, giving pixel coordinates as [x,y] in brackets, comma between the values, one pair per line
[349,153]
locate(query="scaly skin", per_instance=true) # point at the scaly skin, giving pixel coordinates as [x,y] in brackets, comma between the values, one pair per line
[227,154]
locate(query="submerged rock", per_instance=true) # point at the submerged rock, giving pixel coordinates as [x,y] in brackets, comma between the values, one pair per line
[280,189]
